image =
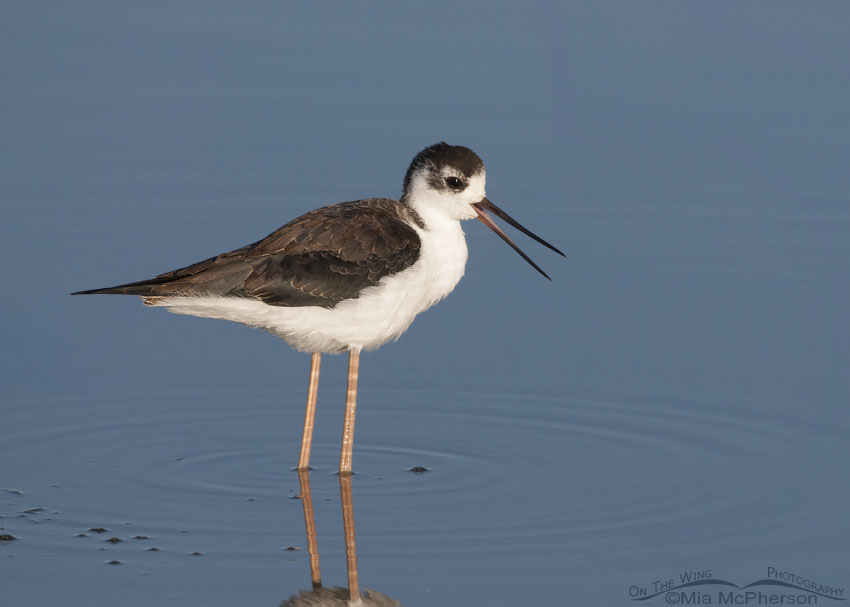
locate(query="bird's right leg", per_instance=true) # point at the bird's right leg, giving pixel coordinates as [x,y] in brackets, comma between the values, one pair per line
[350,408]
[310,412]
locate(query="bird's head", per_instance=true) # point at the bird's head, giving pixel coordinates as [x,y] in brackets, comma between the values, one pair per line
[445,180]
[447,183]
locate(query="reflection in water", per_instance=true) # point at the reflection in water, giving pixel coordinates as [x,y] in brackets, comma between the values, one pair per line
[334,597]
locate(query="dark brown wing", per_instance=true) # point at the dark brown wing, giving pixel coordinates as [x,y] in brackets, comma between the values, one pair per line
[319,259]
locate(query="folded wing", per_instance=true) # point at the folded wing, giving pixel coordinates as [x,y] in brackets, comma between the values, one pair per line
[319,259]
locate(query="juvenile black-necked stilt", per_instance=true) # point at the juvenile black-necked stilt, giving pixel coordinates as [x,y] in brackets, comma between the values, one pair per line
[346,277]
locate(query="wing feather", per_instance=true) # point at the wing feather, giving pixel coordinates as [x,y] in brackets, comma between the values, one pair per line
[319,259]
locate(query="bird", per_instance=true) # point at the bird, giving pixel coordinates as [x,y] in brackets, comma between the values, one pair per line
[347,277]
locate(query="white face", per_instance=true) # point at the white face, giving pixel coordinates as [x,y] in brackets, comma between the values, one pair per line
[446,193]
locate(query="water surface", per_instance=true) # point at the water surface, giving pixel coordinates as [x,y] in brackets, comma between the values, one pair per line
[674,400]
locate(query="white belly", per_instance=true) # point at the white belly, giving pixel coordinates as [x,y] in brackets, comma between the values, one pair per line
[381,313]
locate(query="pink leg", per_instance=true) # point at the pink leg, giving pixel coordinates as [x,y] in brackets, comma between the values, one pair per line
[350,407]
[310,413]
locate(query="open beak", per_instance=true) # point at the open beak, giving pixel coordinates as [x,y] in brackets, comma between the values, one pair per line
[485,205]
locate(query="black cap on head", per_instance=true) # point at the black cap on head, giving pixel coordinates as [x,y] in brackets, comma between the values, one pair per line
[442,154]
[464,164]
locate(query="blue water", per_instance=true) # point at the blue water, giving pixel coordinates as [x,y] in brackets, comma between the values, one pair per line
[675,400]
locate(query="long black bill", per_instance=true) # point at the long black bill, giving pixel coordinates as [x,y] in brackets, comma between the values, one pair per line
[485,205]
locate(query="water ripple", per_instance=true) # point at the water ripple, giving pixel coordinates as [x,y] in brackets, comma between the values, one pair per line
[590,471]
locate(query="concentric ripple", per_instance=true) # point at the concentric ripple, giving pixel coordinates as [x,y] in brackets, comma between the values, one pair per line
[523,471]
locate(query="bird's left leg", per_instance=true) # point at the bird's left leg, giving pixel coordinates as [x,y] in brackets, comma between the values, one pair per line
[310,412]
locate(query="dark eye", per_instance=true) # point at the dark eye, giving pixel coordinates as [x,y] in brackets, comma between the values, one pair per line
[454,183]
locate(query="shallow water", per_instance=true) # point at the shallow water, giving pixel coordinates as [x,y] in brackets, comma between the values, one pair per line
[516,486]
[675,400]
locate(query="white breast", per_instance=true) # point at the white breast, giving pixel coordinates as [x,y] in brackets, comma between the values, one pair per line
[381,313]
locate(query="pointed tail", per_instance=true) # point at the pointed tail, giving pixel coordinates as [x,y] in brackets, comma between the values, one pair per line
[143,287]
